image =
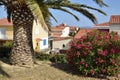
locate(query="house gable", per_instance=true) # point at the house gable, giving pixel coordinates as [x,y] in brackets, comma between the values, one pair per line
[115,23]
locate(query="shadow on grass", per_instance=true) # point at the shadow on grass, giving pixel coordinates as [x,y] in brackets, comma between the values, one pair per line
[2,72]
[65,67]
[70,70]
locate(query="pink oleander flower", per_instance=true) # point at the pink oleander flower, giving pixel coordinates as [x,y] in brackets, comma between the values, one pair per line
[112,50]
[104,70]
[79,46]
[103,53]
[85,53]
[78,53]
[92,72]
[115,38]
[82,62]
[86,65]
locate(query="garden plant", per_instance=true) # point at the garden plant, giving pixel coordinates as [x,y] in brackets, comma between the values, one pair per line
[97,53]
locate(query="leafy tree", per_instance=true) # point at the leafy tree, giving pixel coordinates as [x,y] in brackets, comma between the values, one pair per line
[24,12]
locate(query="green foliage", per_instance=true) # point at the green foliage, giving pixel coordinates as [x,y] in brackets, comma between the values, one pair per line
[96,53]
[8,44]
[5,49]
[43,56]
[59,58]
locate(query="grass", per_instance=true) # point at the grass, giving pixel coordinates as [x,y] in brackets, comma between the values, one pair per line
[43,70]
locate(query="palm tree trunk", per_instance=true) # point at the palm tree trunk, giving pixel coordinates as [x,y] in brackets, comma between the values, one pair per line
[22,50]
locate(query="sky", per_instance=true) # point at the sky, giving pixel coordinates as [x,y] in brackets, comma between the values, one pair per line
[113,9]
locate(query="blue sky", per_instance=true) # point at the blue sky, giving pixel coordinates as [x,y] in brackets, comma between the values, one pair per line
[113,9]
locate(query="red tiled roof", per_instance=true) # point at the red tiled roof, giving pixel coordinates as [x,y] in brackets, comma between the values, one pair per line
[62,26]
[56,34]
[61,38]
[56,29]
[82,32]
[102,24]
[115,19]
[5,22]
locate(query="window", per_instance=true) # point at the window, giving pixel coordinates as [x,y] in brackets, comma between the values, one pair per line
[44,42]
[2,33]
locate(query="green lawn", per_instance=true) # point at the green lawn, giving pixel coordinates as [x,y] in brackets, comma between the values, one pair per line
[41,71]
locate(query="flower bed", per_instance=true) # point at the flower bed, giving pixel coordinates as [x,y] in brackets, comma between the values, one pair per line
[96,53]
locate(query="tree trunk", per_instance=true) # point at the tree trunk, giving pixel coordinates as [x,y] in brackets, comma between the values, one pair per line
[22,50]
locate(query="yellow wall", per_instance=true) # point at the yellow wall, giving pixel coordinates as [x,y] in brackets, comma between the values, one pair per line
[42,33]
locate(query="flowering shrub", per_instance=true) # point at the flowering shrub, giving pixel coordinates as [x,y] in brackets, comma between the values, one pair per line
[96,53]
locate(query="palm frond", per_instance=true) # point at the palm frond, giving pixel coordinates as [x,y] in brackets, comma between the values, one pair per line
[78,8]
[100,3]
[37,12]
[89,7]
[65,10]
[52,16]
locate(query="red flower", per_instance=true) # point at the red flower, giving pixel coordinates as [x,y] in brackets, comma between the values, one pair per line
[86,65]
[115,38]
[85,53]
[79,46]
[114,62]
[112,50]
[92,72]
[103,53]
[78,53]
[100,52]
[82,62]
[104,70]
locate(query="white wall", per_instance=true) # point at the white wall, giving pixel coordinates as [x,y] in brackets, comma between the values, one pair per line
[115,28]
[44,45]
[59,44]
[2,33]
[39,33]
[65,32]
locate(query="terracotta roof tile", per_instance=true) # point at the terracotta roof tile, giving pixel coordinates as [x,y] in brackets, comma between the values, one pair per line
[102,24]
[61,38]
[55,34]
[56,29]
[5,22]
[82,32]
[115,19]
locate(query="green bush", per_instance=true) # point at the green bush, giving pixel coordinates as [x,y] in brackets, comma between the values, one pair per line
[43,56]
[96,53]
[5,49]
[59,58]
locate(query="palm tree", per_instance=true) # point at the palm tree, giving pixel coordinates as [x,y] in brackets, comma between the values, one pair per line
[24,12]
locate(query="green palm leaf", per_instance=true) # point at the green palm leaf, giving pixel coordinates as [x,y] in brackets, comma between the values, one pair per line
[65,10]
[37,12]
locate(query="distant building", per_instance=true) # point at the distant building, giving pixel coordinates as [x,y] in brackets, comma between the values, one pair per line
[102,26]
[112,25]
[61,35]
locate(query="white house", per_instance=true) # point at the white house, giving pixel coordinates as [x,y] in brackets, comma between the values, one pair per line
[59,36]
[112,25]
[115,23]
